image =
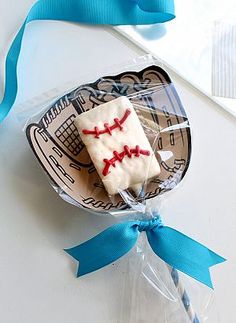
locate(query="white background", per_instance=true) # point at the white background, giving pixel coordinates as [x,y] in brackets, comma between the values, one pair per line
[37,281]
[191,37]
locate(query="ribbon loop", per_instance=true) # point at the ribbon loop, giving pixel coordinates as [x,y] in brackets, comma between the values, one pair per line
[156,5]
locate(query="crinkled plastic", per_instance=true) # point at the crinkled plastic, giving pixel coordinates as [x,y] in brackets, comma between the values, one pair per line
[151,291]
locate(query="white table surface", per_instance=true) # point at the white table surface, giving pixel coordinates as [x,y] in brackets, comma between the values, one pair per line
[191,36]
[37,282]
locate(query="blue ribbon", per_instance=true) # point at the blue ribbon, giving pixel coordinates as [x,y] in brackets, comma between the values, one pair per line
[175,248]
[112,12]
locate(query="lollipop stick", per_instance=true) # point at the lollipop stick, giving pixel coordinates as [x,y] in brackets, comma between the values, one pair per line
[184,296]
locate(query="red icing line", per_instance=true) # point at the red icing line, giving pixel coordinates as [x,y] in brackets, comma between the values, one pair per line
[120,156]
[108,129]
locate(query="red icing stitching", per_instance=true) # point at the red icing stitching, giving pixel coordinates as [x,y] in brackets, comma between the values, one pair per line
[120,156]
[108,129]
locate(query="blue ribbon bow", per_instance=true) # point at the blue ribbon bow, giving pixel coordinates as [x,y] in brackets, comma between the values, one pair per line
[112,12]
[175,248]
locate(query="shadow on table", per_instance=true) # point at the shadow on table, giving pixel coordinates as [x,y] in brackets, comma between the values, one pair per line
[151,32]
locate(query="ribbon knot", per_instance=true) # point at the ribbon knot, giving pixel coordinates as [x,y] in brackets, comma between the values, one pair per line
[148,225]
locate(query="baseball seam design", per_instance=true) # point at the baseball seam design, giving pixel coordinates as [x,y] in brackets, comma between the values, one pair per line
[107,128]
[120,156]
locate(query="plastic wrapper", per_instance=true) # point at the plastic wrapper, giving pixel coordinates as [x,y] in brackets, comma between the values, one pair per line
[151,291]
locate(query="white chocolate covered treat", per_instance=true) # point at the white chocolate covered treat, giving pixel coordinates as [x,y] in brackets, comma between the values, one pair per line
[117,145]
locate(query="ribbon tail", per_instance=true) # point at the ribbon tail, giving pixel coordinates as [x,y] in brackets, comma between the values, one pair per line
[216,259]
[11,75]
[105,248]
[184,253]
